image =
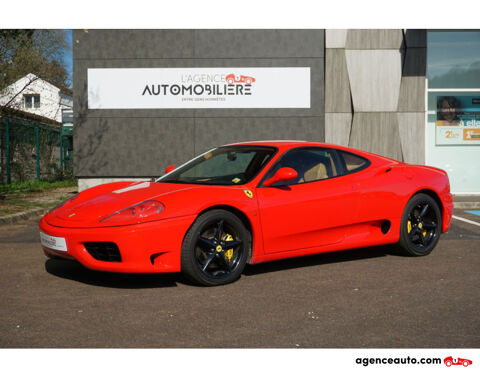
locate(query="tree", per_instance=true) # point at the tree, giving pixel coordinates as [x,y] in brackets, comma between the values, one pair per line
[39,52]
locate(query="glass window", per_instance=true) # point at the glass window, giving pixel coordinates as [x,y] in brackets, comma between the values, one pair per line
[353,162]
[311,164]
[453,59]
[230,165]
[32,101]
[28,101]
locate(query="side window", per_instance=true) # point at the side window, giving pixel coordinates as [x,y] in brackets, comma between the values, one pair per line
[311,164]
[353,162]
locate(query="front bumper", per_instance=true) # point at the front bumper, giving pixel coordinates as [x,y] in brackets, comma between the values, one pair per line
[150,247]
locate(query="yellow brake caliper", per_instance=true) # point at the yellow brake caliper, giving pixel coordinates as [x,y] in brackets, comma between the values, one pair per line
[409,227]
[228,253]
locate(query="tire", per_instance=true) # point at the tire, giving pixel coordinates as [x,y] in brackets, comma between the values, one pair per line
[448,363]
[465,363]
[425,219]
[206,257]
[230,81]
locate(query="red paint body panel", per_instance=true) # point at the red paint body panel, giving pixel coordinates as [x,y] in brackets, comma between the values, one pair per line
[338,213]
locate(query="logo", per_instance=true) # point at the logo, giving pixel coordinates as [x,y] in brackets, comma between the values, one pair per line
[196,85]
[449,361]
[248,193]
[239,79]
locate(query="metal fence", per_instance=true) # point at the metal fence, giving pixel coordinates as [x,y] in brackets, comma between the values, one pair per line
[32,150]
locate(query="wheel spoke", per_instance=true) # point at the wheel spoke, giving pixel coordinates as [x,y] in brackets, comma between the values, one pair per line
[424,211]
[206,242]
[225,262]
[209,259]
[422,238]
[429,225]
[219,233]
[232,244]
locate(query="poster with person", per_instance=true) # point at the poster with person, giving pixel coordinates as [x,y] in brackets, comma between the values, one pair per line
[458,120]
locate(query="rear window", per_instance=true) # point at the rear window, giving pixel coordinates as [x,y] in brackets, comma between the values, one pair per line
[353,162]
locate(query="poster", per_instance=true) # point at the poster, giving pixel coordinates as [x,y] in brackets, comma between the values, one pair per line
[458,120]
[199,88]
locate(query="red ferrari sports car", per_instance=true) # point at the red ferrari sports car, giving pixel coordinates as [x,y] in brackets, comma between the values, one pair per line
[251,203]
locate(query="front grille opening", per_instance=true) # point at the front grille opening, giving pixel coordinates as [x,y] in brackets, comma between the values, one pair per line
[104,251]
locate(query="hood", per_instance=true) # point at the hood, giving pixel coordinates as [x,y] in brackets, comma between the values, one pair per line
[96,203]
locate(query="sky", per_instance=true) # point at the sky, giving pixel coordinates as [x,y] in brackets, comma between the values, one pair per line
[68,57]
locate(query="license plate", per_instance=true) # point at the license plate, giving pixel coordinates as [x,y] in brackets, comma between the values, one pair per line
[53,242]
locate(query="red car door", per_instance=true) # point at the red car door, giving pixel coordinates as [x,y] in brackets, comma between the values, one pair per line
[311,211]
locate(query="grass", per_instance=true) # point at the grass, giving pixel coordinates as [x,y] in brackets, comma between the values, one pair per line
[23,203]
[35,186]
[19,197]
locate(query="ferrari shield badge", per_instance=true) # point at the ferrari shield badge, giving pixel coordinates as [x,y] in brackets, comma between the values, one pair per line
[248,193]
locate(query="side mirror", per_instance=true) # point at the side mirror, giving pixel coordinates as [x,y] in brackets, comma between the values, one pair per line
[283,174]
[169,168]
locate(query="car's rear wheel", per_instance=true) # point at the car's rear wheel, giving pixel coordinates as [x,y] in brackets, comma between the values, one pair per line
[448,363]
[420,226]
[215,249]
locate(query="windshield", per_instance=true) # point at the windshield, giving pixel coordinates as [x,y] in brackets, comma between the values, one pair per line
[231,165]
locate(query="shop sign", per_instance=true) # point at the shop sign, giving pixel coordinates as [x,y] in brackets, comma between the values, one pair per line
[196,88]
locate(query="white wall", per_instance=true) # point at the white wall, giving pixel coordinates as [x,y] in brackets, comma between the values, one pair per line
[52,100]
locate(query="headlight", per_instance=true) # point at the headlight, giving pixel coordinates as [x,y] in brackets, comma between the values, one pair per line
[68,200]
[140,211]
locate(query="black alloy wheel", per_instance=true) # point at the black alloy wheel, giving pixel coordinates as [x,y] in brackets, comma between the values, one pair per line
[215,249]
[421,226]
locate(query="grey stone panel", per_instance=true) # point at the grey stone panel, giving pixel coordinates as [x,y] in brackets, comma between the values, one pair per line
[211,132]
[337,85]
[259,43]
[374,39]
[335,38]
[377,133]
[416,38]
[116,147]
[316,87]
[374,79]
[411,127]
[133,44]
[412,88]
[337,128]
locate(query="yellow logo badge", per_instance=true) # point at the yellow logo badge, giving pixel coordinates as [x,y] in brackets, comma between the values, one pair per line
[248,193]
[71,215]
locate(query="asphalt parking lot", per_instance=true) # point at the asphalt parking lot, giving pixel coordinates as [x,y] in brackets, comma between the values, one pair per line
[360,298]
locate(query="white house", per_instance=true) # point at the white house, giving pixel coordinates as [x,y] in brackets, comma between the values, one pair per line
[34,95]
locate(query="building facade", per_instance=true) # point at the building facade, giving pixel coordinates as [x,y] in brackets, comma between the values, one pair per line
[136,112]
[34,95]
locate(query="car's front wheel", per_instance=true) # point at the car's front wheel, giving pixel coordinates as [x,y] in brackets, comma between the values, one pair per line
[421,226]
[215,249]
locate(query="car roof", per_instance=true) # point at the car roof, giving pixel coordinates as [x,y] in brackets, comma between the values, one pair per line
[285,143]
